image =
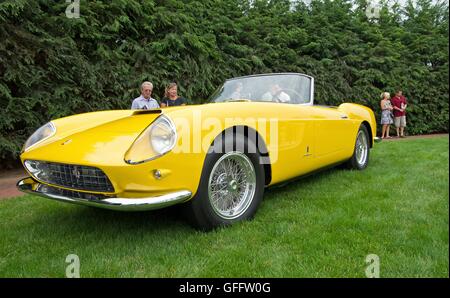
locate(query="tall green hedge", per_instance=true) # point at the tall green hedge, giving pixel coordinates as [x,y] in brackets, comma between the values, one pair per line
[52,66]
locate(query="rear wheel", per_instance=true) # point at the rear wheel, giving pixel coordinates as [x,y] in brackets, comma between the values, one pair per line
[360,157]
[230,190]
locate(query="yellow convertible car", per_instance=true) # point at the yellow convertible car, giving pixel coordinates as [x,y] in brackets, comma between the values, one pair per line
[216,158]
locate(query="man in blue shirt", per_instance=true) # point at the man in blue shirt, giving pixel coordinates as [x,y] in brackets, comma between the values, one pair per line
[145,101]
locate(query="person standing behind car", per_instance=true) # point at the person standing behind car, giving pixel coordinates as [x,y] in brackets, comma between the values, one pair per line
[386,114]
[400,103]
[171,97]
[145,101]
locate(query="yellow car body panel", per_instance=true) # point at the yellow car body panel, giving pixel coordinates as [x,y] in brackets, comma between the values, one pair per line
[307,138]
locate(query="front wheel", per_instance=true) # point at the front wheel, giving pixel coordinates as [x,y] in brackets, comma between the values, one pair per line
[230,190]
[360,157]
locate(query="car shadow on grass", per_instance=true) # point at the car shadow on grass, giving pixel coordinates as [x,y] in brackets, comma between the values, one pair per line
[300,182]
[86,220]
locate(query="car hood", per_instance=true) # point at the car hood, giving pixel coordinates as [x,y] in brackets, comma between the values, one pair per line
[93,138]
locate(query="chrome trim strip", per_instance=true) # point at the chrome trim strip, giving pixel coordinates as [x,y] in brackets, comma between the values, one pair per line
[29,185]
[270,74]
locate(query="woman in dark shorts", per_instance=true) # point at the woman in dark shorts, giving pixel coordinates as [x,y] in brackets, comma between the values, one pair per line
[171,97]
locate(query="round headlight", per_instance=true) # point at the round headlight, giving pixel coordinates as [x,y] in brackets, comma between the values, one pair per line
[162,136]
[156,140]
[41,134]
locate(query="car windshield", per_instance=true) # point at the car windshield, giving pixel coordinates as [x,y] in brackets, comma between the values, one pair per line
[281,88]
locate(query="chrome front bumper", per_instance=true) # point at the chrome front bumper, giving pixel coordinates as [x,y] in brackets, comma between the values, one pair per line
[29,185]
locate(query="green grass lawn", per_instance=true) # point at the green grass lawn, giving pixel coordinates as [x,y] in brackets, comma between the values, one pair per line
[320,226]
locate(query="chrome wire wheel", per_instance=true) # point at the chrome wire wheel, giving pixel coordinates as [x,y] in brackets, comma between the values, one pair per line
[232,185]
[362,148]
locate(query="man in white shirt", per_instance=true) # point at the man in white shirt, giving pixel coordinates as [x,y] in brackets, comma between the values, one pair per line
[276,95]
[145,101]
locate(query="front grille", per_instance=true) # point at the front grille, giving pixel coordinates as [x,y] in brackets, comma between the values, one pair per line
[70,193]
[71,176]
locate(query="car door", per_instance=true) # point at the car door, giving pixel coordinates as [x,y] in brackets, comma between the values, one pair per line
[331,134]
[294,153]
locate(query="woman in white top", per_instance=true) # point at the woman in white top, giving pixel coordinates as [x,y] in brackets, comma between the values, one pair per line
[386,114]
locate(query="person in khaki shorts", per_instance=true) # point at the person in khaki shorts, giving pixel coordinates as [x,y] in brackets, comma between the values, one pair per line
[399,103]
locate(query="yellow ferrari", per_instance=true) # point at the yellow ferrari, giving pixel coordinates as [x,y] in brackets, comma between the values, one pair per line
[216,159]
